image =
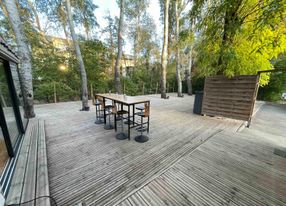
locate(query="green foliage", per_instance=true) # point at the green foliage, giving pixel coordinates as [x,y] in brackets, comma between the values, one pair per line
[280,62]
[84,14]
[141,78]
[239,37]
[275,88]
[44,92]
[96,63]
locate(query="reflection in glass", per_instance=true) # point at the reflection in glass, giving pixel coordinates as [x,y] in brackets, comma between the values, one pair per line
[15,75]
[6,102]
[3,152]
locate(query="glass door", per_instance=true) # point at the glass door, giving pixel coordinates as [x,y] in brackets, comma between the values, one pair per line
[3,152]
[8,106]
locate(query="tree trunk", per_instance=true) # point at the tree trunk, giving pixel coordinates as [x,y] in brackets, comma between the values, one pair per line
[66,35]
[25,67]
[87,32]
[231,24]
[79,58]
[178,63]
[36,15]
[189,74]
[164,56]
[37,21]
[136,39]
[111,51]
[62,17]
[4,10]
[119,54]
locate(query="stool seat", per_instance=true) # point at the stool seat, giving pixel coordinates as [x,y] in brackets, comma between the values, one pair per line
[141,114]
[140,108]
[109,106]
[121,112]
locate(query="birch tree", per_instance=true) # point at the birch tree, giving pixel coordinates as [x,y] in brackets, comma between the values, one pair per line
[25,67]
[189,52]
[84,91]
[164,56]
[178,63]
[119,53]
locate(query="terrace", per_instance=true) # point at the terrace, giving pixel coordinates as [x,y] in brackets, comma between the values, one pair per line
[189,159]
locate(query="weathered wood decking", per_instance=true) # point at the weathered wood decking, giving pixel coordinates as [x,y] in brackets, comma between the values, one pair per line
[189,160]
[30,178]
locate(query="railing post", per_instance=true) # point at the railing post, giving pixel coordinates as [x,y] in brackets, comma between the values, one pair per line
[55,93]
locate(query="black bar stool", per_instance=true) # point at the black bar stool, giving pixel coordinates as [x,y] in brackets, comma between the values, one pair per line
[98,110]
[108,110]
[119,116]
[144,114]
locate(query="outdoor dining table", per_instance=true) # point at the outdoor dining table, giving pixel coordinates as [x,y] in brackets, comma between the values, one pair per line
[127,101]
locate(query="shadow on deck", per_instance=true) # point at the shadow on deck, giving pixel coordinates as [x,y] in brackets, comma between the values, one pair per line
[189,160]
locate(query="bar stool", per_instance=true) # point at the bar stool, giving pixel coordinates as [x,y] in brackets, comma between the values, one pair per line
[140,108]
[98,110]
[145,114]
[108,111]
[119,116]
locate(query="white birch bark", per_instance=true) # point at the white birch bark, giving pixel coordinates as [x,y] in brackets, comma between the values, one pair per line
[178,63]
[119,54]
[25,67]
[164,56]
[83,75]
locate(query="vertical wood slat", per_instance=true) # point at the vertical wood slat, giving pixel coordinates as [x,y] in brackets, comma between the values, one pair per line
[226,92]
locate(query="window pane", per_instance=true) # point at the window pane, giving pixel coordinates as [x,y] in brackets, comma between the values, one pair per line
[18,89]
[3,152]
[7,105]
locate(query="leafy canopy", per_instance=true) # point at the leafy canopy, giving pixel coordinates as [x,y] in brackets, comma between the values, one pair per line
[238,37]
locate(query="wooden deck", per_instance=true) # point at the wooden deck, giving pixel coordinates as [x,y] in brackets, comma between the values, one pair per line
[189,160]
[30,178]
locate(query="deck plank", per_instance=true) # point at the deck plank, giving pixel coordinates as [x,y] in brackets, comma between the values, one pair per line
[29,183]
[42,186]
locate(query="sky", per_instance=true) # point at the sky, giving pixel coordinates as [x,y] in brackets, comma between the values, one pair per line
[111,5]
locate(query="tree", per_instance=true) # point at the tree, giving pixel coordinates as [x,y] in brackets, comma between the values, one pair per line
[136,11]
[239,37]
[25,70]
[111,39]
[84,15]
[119,51]
[84,91]
[178,63]
[164,56]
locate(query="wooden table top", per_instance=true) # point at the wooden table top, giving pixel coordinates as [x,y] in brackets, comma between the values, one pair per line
[124,98]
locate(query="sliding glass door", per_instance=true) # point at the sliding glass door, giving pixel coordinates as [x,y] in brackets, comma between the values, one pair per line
[8,106]
[3,152]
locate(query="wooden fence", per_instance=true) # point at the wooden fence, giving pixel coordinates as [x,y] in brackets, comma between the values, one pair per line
[230,97]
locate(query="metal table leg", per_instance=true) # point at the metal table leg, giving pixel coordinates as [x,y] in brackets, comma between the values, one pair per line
[133,111]
[115,116]
[128,122]
[104,111]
